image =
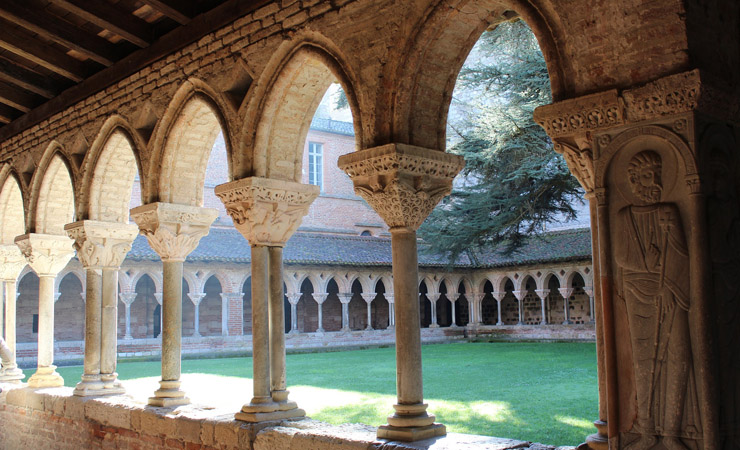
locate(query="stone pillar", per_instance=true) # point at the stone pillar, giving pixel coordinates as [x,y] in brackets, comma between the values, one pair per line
[520,294]
[12,263]
[128,298]
[391,311]
[403,184]
[320,299]
[173,231]
[589,290]
[369,300]
[267,213]
[158,298]
[454,319]
[542,294]
[499,297]
[566,293]
[232,313]
[472,317]
[345,298]
[659,162]
[47,255]
[196,299]
[293,299]
[225,314]
[433,300]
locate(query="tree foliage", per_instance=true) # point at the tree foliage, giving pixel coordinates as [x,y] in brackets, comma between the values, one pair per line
[513,182]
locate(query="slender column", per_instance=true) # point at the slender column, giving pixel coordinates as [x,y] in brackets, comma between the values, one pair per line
[267,212]
[12,263]
[542,294]
[566,293]
[2,311]
[589,290]
[433,300]
[345,298]
[173,231]
[196,299]
[369,300]
[293,299]
[128,298]
[520,294]
[225,314]
[109,337]
[391,310]
[471,307]
[320,299]
[158,298]
[499,297]
[454,319]
[403,184]
[47,255]
[91,383]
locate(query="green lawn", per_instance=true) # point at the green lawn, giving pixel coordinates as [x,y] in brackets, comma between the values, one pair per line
[544,392]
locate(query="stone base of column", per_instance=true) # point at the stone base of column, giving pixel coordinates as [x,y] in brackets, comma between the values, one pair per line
[266,410]
[112,384]
[411,423]
[91,385]
[168,395]
[598,440]
[11,374]
[433,325]
[45,377]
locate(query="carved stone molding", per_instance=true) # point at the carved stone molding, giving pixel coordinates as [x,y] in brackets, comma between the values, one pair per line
[173,231]
[127,297]
[542,293]
[565,292]
[101,244]
[402,183]
[580,162]
[266,211]
[582,114]
[520,294]
[12,263]
[47,254]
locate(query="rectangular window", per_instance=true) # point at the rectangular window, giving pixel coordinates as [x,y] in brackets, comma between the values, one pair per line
[316,164]
[35,326]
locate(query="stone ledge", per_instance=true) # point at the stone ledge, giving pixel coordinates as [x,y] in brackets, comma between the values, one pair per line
[122,421]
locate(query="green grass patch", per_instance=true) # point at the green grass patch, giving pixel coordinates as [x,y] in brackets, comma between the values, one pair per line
[543,392]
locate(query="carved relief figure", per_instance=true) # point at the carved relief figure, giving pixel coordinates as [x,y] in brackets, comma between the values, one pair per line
[653,281]
[724,240]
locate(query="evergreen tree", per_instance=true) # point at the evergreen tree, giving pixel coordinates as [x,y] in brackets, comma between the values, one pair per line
[513,182]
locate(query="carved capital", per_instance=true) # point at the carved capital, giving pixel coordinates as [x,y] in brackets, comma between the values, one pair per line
[498,295]
[580,162]
[369,297]
[581,115]
[542,293]
[520,294]
[345,297]
[320,298]
[402,183]
[12,263]
[173,231]
[197,298]
[566,292]
[293,299]
[266,211]
[127,297]
[47,254]
[101,244]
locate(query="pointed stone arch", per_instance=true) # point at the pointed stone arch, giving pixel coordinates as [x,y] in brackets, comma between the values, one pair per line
[54,195]
[12,212]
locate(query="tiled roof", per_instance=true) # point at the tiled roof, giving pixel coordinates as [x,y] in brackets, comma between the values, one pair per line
[227,245]
[333,126]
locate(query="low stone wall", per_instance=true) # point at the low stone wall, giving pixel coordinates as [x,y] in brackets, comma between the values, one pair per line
[54,418]
[73,351]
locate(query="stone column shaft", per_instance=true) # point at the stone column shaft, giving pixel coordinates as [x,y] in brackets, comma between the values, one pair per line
[91,383]
[109,337]
[12,263]
[369,301]
[454,319]
[320,298]
[293,299]
[345,299]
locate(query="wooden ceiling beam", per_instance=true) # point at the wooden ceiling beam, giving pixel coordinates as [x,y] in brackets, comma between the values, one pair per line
[181,11]
[8,114]
[23,44]
[112,18]
[28,80]
[17,99]
[57,30]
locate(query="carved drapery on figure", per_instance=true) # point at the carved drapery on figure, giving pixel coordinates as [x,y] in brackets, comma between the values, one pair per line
[653,274]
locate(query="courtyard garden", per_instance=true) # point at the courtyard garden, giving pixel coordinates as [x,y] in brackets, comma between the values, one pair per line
[542,392]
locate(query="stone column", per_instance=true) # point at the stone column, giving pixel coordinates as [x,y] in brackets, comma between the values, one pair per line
[128,298]
[391,311]
[369,301]
[566,293]
[267,213]
[293,299]
[403,184]
[520,294]
[472,299]
[47,255]
[499,297]
[345,298]
[232,313]
[433,300]
[454,319]
[225,314]
[12,263]
[320,299]
[589,290]
[542,294]
[196,299]
[173,231]
[158,298]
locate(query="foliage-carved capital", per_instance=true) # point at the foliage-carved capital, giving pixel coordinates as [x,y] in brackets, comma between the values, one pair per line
[580,162]
[266,211]
[173,230]
[581,115]
[12,263]
[101,244]
[47,254]
[402,183]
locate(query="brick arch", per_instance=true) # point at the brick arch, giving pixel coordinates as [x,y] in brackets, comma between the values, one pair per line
[110,168]
[182,144]
[12,213]
[436,53]
[280,113]
[53,190]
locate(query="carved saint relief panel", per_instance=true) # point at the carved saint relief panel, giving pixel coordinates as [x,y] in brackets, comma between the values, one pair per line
[652,274]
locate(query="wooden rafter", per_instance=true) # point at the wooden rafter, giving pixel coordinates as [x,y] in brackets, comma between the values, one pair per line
[17,99]
[26,79]
[7,114]
[112,18]
[181,11]
[25,45]
[59,31]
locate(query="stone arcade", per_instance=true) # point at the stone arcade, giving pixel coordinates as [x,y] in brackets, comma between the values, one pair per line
[645,112]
